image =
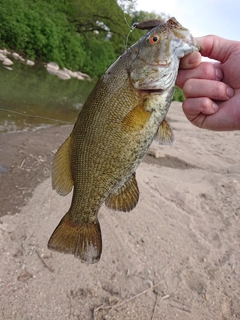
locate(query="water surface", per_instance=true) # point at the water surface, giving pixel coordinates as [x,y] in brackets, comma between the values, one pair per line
[26,92]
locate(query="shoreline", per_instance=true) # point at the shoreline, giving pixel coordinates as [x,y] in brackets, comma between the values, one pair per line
[51,67]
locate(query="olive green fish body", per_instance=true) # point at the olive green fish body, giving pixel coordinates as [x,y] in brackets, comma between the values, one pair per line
[116,142]
[113,132]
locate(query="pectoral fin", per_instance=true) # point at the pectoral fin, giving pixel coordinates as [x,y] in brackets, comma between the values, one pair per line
[62,180]
[136,119]
[126,197]
[165,134]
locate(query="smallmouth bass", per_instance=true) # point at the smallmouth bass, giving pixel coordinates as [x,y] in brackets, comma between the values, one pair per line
[123,114]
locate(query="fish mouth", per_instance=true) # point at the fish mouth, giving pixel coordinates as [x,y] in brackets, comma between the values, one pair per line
[160,64]
[157,86]
[151,91]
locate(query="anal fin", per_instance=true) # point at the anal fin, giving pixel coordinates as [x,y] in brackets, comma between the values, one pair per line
[126,197]
[165,134]
[62,180]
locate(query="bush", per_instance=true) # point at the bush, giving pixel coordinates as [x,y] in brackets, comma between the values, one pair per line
[178,95]
[100,54]
[71,33]
[40,29]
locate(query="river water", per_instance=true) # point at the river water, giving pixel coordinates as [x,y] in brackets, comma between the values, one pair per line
[29,95]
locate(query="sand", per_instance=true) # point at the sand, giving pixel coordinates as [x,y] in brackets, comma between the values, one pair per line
[175,256]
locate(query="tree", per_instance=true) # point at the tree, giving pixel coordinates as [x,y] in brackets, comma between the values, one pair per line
[78,34]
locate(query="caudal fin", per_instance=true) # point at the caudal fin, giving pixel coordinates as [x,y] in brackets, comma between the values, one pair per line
[84,241]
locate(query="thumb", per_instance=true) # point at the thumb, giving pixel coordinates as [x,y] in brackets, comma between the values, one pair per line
[215,47]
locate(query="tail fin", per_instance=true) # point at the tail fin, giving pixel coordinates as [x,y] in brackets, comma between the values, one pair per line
[84,241]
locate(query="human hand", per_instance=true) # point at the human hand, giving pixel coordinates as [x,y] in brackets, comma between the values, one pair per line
[212,90]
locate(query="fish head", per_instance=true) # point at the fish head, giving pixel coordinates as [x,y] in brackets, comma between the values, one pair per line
[154,60]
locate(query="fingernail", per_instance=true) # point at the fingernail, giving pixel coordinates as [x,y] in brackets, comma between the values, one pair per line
[219,74]
[230,92]
[215,107]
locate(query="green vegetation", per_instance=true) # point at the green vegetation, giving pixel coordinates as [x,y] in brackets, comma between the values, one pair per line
[78,34]
[178,95]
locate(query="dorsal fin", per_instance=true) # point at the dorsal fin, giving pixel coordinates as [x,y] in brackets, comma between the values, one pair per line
[62,180]
[126,197]
[165,134]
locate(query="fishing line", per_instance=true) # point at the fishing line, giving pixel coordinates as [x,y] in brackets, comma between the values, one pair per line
[130,31]
[126,20]
[34,116]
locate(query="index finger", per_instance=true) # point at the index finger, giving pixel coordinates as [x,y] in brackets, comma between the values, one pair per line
[190,61]
[215,47]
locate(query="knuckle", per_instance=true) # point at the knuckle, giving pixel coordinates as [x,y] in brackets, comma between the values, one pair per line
[188,87]
[220,91]
[205,105]
[208,70]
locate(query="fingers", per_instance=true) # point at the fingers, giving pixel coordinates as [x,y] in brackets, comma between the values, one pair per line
[204,113]
[214,90]
[199,107]
[192,107]
[211,102]
[215,47]
[205,70]
[201,112]
[191,60]
[212,47]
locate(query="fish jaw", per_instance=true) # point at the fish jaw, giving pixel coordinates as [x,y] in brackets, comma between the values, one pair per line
[155,79]
[154,65]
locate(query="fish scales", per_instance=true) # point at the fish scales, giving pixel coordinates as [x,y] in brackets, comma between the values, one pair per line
[119,120]
[111,142]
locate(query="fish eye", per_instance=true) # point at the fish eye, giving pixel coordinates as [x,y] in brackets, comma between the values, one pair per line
[154,39]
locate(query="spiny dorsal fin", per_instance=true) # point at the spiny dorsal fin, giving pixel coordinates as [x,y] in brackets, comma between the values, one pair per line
[126,197]
[62,180]
[165,134]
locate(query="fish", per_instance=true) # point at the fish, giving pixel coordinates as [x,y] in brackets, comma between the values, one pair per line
[125,111]
[147,24]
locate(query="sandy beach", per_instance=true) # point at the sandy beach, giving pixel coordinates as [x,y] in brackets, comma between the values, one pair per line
[175,256]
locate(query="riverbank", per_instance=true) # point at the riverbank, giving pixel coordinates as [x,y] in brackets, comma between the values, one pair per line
[182,238]
[7,59]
